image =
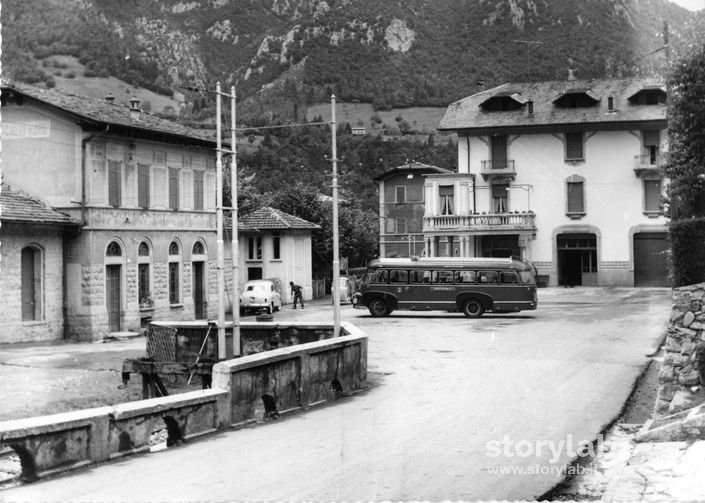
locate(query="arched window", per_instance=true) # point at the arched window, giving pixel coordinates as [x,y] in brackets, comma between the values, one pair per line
[144,278]
[114,249]
[174,273]
[198,248]
[31,275]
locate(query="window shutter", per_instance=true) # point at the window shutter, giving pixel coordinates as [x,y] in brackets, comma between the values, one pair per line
[651,138]
[173,188]
[198,190]
[574,145]
[143,186]
[575,197]
[652,195]
[114,182]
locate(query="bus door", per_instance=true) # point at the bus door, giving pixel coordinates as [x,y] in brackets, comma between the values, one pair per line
[510,294]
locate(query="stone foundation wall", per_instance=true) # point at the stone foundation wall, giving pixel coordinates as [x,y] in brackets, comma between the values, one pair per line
[680,383]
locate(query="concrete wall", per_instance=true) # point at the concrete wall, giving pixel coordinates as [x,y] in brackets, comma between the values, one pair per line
[49,243]
[294,377]
[681,385]
[245,389]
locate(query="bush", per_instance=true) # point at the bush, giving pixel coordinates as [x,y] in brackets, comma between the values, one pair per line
[687,240]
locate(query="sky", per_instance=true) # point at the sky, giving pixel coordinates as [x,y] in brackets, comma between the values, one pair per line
[691,4]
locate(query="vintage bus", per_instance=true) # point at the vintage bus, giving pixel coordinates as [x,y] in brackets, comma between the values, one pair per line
[471,285]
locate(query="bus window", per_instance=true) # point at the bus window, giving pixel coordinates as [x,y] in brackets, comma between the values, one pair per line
[464,276]
[486,277]
[508,277]
[380,276]
[419,276]
[398,276]
[442,276]
[527,277]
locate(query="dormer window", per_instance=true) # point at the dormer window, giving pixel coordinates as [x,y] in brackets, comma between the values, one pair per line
[503,102]
[648,96]
[576,98]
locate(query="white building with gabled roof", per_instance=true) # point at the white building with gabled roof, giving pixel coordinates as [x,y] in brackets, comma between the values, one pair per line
[564,173]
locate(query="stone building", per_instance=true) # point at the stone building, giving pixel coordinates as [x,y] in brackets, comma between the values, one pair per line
[563,173]
[31,275]
[142,190]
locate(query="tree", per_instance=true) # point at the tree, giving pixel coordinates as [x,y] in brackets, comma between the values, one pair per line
[686,169]
[686,161]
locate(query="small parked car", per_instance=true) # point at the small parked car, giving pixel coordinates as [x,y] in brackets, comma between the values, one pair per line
[345,290]
[260,295]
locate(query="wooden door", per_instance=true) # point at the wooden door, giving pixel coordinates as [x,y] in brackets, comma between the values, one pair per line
[113,294]
[199,305]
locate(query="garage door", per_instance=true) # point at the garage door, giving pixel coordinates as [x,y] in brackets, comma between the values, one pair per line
[650,264]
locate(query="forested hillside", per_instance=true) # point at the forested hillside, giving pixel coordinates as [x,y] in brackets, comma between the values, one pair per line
[284,55]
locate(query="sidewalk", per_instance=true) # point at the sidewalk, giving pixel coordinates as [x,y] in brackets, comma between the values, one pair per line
[630,471]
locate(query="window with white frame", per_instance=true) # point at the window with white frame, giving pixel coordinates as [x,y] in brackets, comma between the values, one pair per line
[401,226]
[400,194]
[254,248]
[445,193]
[574,146]
[575,196]
[652,195]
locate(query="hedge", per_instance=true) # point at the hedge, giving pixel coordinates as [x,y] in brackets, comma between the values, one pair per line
[687,238]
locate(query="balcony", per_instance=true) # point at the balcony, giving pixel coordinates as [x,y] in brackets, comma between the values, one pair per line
[648,164]
[524,221]
[493,169]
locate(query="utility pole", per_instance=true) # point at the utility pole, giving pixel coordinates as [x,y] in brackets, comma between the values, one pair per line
[219,230]
[234,245]
[336,244]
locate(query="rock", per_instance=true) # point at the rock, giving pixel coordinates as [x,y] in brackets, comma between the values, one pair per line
[690,377]
[665,374]
[687,347]
[688,319]
[682,400]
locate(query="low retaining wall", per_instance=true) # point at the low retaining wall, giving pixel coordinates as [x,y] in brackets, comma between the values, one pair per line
[680,378]
[245,389]
[50,444]
[294,377]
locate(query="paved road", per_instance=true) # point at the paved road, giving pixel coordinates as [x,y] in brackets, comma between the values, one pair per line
[447,394]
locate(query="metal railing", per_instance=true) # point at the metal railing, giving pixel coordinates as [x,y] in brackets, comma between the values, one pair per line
[496,167]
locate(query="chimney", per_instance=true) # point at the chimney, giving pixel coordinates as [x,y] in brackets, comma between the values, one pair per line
[110,98]
[480,86]
[571,73]
[135,109]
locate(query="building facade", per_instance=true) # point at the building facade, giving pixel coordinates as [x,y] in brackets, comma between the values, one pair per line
[143,191]
[563,173]
[401,209]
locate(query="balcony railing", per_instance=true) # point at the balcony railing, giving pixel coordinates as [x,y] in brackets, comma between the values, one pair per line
[497,168]
[481,222]
[647,163]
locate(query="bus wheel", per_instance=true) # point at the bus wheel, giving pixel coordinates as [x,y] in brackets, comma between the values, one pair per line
[473,308]
[378,308]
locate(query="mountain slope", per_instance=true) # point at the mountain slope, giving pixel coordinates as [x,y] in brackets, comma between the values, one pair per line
[283,55]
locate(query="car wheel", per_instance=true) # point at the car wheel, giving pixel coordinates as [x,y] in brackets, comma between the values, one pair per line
[473,308]
[378,308]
